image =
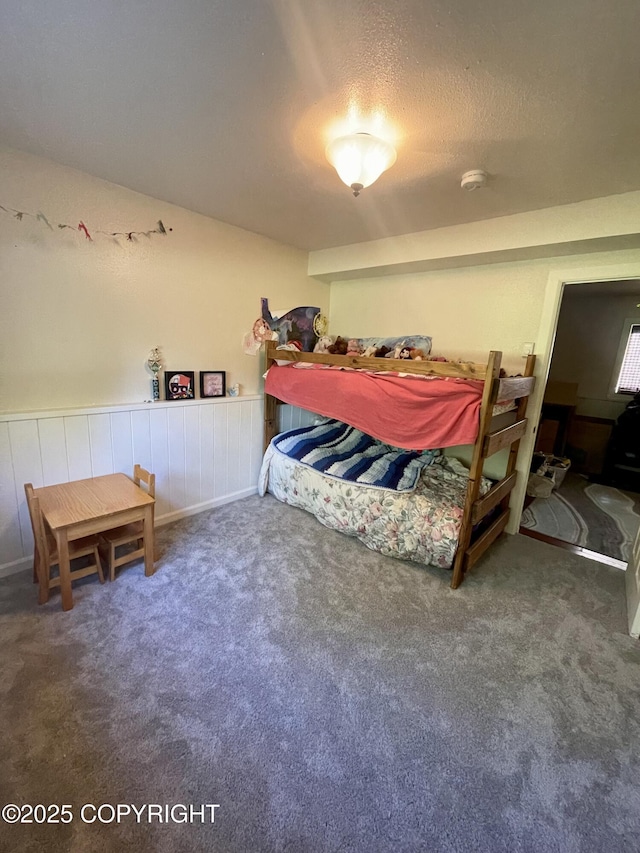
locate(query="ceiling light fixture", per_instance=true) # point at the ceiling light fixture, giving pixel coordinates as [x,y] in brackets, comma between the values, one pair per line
[360,159]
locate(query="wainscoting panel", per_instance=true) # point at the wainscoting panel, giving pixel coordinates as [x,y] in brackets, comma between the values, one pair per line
[291,417]
[159,441]
[53,449]
[177,491]
[141,438]
[121,441]
[24,442]
[10,535]
[220,443]
[207,482]
[203,452]
[101,444]
[78,447]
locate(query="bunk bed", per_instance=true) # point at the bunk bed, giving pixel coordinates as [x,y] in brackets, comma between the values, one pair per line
[416,405]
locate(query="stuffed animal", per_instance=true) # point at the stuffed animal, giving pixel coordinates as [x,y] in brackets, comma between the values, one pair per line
[323,344]
[382,352]
[370,352]
[396,352]
[353,347]
[339,347]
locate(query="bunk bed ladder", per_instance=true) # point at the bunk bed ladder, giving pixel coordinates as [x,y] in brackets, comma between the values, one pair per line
[489,398]
[520,413]
[486,445]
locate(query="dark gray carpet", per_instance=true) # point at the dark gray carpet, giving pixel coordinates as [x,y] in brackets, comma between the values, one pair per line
[328,698]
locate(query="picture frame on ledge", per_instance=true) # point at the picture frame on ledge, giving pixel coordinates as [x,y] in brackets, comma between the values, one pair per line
[179,384]
[213,383]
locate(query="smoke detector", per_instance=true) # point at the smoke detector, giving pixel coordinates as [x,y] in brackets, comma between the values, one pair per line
[473,180]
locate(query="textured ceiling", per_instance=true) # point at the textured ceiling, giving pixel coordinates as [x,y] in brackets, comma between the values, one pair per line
[225,106]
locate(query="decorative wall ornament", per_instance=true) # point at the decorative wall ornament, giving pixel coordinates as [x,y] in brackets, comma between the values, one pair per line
[304,325]
[154,363]
[179,384]
[295,325]
[320,325]
[260,333]
[40,217]
[213,383]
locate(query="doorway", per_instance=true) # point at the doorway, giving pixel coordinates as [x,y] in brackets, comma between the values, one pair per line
[578,499]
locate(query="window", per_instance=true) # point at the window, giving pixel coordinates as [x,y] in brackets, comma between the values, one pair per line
[628,379]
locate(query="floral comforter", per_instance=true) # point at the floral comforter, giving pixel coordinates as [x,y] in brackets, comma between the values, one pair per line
[422,526]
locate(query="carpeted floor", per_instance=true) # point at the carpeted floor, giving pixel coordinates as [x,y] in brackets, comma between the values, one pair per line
[597,517]
[328,698]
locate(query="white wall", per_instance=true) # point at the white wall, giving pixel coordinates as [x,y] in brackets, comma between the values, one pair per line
[587,340]
[79,318]
[466,311]
[596,225]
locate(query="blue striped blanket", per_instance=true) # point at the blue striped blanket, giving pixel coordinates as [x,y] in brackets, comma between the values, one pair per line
[342,451]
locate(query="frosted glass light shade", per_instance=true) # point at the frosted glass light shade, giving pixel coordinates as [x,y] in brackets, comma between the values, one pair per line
[360,159]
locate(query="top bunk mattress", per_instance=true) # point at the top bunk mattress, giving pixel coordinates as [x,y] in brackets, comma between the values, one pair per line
[412,412]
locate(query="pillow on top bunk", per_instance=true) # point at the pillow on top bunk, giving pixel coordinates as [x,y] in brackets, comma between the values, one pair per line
[422,342]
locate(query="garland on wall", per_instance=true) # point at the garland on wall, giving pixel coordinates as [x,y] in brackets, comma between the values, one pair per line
[40,217]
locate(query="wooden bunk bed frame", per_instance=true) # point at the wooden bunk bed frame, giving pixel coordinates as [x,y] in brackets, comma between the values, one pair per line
[488,442]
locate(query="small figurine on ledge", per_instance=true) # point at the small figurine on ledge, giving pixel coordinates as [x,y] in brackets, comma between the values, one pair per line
[154,362]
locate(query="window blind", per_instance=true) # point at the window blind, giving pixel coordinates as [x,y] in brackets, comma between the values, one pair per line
[629,378]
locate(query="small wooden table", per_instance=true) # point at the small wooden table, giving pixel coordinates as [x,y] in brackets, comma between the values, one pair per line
[84,507]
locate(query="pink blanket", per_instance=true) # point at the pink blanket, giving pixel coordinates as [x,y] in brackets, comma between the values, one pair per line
[409,412]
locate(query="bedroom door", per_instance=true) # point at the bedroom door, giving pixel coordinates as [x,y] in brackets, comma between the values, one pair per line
[632,580]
